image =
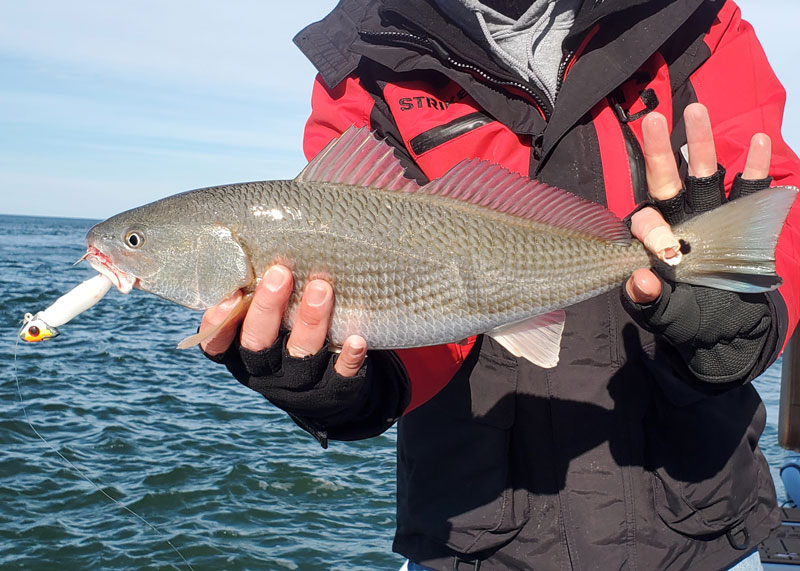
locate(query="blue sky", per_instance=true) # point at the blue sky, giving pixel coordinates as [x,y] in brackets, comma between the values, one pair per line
[108,105]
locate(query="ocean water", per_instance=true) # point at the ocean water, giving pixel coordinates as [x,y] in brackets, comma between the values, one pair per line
[227,479]
[230,481]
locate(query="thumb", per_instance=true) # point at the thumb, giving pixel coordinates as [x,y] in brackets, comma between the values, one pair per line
[215,315]
[643,287]
[350,360]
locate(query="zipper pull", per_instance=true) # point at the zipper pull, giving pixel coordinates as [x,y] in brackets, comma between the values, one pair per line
[438,49]
[538,146]
[648,97]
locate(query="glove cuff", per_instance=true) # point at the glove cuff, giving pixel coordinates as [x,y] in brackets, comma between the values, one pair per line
[673,209]
[707,192]
[266,361]
[743,187]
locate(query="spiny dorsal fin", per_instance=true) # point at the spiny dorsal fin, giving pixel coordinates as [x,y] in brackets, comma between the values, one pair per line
[492,186]
[359,159]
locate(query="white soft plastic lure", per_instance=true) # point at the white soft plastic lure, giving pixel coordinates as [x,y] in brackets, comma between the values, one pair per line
[44,324]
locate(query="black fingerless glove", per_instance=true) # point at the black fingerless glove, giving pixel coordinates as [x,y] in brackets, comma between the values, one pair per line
[722,337]
[317,398]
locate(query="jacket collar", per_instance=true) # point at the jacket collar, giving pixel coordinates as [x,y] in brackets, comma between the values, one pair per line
[614,54]
[630,31]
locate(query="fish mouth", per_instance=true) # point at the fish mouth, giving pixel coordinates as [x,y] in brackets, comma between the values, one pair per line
[123,281]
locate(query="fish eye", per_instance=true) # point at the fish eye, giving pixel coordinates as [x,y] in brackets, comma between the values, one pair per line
[134,239]
[34,331]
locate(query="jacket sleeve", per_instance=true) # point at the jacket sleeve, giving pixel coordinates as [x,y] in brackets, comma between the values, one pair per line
[744,97]
[428,369]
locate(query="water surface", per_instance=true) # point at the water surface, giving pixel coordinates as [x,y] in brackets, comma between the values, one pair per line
[229,479]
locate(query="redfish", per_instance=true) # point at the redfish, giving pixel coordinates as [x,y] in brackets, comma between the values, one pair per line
[479,250]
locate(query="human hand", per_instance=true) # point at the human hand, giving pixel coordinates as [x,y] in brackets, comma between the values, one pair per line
[720,335]
[665,185]
[261,325]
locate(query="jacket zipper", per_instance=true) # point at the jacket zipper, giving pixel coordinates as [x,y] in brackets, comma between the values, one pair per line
[636,162]
[537,141]
[543,104]
[562,69]
[439,135]
[435,48]
[632,146]
[438,50]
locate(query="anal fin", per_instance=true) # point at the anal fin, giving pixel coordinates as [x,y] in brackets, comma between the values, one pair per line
[537,339]
[238,310]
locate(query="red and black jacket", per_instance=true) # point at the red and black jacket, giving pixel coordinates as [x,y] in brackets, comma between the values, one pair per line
[612,459]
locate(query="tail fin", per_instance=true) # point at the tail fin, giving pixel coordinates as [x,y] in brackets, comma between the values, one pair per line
[733,247]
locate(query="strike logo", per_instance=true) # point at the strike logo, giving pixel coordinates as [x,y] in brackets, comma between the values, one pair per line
[424,102]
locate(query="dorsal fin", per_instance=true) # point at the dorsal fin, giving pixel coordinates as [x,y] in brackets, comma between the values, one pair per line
[491,186]
[359,159]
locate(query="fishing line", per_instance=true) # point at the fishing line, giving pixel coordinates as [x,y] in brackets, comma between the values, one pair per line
[81,473]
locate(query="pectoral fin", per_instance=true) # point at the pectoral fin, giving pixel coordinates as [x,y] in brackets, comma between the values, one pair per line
[537,339]
[238,310]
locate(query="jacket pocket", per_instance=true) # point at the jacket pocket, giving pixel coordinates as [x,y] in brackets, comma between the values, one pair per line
[706,470]
[454,478]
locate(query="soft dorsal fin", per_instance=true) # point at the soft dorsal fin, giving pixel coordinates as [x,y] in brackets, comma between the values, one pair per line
[359,159]
[491,186]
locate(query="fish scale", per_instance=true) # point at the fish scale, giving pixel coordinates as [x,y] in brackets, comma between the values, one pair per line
[479,250]
[400,279]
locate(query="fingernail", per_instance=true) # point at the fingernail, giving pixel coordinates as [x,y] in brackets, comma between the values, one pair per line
[316,293]
[640,295]
[274,279]
[230,302]
[357,347]
[638,292]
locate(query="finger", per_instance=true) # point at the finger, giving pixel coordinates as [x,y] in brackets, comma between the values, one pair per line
[758,158]
[313,320]
[215,315]
[643,286]
[663,179]
[700,139]
[352,356]
[650,228]
[263,320]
